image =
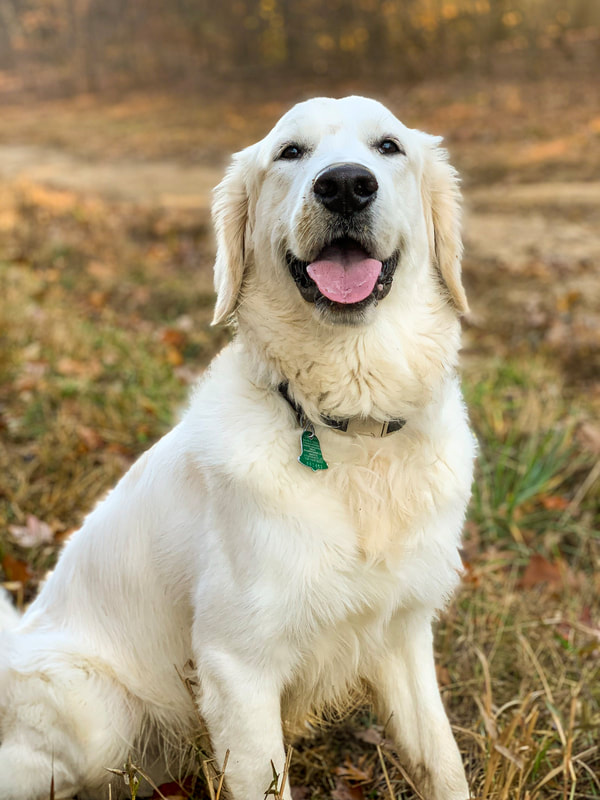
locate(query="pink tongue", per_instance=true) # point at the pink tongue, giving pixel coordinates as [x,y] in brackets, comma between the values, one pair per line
[344,275]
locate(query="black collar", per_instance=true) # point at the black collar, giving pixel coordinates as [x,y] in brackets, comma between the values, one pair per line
[364,425]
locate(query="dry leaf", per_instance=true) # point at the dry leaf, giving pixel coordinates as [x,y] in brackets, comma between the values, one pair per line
[443,675]
[589,437]
[32,534]
[370,735]
[100,270]
[174,357]
[90,438]
[554,502]
[79,369]
[16,570]
[170,791]
[173,337]
[344,791]
[98,299]
[541,571]
[356,773]
[300,792]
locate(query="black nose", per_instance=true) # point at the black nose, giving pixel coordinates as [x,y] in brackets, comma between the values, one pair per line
[345,188]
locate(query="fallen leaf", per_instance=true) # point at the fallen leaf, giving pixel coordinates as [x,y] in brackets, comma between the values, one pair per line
[170,791]
[90,438]
[98,299]
[541,571]
[565,302]
[174,337]
[370,735]
[32,534]
[100,270]
[15,570]
[343,791]
[554,502]
[443,675]
[589,437]
[300,792]
[174,357]
[79,369]
[356,773]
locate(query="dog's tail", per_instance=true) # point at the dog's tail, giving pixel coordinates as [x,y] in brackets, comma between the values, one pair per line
[9,616]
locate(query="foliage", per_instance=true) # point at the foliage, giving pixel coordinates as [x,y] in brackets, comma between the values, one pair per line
[102,44]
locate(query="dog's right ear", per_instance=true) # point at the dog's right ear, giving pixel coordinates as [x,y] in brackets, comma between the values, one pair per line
[230,218]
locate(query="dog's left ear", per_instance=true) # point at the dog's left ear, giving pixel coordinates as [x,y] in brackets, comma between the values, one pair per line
[442,204]
[230,218]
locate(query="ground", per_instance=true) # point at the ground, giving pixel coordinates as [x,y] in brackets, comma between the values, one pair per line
[105,304]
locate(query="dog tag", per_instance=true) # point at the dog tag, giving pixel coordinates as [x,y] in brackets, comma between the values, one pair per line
[311,455]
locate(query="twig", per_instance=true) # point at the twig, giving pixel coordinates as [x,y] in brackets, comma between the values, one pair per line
[286,769]
[385,772]
[222,775]
[209,783]
[404,774]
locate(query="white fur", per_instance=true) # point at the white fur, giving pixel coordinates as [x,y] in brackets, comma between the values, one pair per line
[8,615]
[219,557]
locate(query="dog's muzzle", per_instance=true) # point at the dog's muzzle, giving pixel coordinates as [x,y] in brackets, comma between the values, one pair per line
[345,276]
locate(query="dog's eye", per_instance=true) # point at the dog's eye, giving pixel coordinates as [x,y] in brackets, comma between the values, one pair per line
[291,152]
[388,147]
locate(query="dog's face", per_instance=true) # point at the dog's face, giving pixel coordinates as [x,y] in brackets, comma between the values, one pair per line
[330,208]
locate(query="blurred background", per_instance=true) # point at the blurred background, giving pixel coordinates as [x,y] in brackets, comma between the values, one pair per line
[62,47]
[117,118]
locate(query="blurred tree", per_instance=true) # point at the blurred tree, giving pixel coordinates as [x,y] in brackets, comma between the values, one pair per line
[92,45]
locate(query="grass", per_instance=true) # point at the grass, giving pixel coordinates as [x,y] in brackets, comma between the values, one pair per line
[104,322]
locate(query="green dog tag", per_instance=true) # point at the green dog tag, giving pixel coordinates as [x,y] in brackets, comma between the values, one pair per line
[311,455]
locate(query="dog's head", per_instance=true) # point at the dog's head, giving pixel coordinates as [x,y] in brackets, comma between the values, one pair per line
[338,204]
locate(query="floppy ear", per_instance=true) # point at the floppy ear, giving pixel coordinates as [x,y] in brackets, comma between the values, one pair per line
[442,204]
[230,218]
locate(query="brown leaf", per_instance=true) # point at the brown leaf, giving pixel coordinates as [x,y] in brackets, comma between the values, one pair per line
[300,792]
[589,437]
[100,270]
[16,570]
[32,534]
[79,369]
[174,357]
[98,299]
[566,301]
[90,438]
[170,791]
[541,571]
[343,791]
[554,502]
[356,773]
[173,337]
[443,675]
[370,735]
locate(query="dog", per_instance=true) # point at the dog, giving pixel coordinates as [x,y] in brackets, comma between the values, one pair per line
[294,536]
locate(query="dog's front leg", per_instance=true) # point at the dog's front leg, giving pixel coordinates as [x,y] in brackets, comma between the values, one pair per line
[240,705]
[407,692]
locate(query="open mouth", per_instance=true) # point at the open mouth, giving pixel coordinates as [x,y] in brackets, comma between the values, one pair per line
[343,275]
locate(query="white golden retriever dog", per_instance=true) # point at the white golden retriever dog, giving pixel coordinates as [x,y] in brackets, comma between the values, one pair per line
[295,534]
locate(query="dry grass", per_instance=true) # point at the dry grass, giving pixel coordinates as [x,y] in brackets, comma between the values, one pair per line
[104,321]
